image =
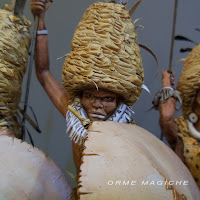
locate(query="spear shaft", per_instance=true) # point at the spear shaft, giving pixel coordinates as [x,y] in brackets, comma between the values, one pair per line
[172,43]
[30,69]
[18,7]
[172,36]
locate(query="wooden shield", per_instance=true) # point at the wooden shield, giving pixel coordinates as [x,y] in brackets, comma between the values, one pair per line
[124,161]
[27,173]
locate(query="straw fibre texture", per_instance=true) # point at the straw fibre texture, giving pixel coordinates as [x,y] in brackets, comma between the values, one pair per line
[14,45]
[105,54]
[189,81]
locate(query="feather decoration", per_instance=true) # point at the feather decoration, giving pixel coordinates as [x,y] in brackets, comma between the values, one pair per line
[180,37]
[154,56]
[183,50]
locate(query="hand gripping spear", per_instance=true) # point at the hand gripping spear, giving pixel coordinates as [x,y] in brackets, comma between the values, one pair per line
[172,36]
[32,53]
[18,7]
[172,43]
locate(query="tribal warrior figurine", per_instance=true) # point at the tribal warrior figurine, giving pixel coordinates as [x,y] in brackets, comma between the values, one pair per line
[183,134]
[102,75]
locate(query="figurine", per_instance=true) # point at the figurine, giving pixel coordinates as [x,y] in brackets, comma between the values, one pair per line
[183,133]
[102,76]
[26,172]
[14,46]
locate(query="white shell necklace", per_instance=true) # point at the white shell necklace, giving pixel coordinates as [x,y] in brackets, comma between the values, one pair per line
[193,131]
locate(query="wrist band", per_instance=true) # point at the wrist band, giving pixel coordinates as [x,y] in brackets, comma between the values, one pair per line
[42,32]
[164,94]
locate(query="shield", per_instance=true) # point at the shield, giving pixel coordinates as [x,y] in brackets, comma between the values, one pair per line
[27,173]
[124,161]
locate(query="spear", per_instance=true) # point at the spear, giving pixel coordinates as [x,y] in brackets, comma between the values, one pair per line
[172,36]
[172,43]
[32,54]
[18,7]
[30,69]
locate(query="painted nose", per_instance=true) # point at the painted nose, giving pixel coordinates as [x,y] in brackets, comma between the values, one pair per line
[97,103]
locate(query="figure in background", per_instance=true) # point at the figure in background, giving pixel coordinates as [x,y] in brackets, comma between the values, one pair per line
[14,45]
[21,161]
[183,134]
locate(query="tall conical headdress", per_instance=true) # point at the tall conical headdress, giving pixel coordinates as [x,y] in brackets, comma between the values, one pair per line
[105,53]
[189,81]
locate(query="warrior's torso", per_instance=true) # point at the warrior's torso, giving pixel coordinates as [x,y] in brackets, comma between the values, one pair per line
[191,149]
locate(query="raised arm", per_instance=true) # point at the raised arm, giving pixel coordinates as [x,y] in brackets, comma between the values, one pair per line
[167,110]
[55,91]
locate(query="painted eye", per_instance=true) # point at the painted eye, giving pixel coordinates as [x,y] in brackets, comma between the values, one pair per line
[108,99]
[193,117]
[88,95]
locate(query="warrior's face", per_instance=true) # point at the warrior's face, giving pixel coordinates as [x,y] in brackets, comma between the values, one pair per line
[99,105]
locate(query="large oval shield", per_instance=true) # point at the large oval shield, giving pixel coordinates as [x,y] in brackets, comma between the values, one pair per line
[27,173]
[124,161]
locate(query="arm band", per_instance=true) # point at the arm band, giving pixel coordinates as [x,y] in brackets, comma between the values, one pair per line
[42,32]
[164,94]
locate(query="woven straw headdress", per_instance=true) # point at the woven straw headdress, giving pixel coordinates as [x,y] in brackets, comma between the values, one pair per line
[14,45]
[105,54]
[189,82]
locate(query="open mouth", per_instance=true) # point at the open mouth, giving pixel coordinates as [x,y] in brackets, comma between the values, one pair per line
[97,116]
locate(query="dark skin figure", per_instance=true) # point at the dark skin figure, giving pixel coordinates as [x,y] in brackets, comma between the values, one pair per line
[167,110]
[99,105]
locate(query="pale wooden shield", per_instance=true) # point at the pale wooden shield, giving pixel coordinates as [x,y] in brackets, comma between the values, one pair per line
[27,173]
[124,161]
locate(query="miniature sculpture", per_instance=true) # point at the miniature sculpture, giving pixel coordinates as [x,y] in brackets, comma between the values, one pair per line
[103,81]
[103,76]
[15,39]
[124,161]
[26,172]
[183,133]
